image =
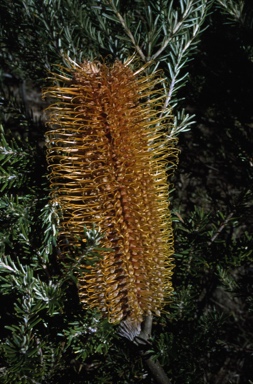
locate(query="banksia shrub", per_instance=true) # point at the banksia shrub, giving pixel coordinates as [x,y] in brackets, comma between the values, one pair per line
[108,150]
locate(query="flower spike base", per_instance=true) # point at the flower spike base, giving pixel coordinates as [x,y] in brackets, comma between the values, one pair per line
[107,153]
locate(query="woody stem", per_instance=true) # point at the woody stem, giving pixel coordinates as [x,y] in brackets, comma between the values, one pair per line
[154,366]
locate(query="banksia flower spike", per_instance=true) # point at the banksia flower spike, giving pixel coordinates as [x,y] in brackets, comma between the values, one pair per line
[107,153]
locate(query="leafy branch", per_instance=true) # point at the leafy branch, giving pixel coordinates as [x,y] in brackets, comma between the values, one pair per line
[168,37]
[233,8]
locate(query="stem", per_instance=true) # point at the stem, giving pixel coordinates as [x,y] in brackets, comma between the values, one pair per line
[173,32]
[147,328]
[128,32]
[157,371]
[220,229]
[141,339]
[154,366]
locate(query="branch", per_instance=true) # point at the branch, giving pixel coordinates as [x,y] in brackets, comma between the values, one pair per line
[154,367]
[157,371]
[128,32]
[220,229]
[174,31]
[234,9]
[141,338]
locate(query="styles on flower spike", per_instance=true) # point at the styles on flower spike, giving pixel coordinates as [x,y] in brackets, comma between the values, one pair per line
[108,151]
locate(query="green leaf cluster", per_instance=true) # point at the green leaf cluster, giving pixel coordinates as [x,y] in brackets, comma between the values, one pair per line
[46,335]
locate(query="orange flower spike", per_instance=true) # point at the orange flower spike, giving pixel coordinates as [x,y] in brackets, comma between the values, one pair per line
[107,155]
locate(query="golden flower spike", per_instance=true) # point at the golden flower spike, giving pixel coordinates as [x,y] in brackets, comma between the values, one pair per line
[107,154]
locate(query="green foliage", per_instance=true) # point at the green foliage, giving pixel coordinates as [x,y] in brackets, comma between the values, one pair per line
[212,300]
[239,11]
[165,33]
[46,335]
[41,328]
[212,312]
[12,157]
